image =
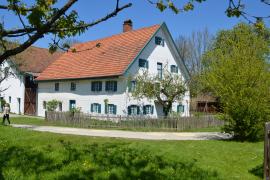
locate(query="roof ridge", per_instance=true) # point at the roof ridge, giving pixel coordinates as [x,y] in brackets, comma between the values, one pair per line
[122,33]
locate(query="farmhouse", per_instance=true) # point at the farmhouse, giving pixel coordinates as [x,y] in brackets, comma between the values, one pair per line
[94,76]
[18,88]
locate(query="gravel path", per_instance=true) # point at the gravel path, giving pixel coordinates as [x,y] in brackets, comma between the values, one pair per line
[128,134]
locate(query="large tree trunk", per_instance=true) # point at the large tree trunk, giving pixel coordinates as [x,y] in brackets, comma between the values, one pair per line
[167,109]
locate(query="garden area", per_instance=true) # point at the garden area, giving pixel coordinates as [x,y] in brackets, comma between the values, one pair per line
[26,154]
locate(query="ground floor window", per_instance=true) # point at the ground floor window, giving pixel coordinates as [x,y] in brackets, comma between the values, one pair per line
[180,108]
[96,108]
[133,110]
[148,109]
[111,109]
[72,104]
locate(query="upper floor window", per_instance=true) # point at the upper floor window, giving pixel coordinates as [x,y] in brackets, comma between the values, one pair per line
[112,109]
[111,86]
[96,108]
[159,70]
[73,86]
[159,41]
[148,109]
[174,69]
[143,63]
[133,110]
[9,99]
[132,86]
[96,86]
[56,86]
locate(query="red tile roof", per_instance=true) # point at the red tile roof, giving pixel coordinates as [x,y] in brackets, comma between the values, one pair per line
[34,59]
[100,58]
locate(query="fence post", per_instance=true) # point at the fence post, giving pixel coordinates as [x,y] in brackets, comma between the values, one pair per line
[46,116]
[267,151]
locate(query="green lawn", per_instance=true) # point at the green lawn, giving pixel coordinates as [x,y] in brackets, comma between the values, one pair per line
[39,121]
[26,154]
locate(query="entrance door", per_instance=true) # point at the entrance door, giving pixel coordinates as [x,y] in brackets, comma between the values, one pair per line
[30,96]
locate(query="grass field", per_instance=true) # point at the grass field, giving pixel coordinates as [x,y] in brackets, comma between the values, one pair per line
[39,121]
[26,154]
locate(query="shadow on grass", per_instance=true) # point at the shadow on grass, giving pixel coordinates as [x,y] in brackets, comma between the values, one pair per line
[257,171]
[96,161]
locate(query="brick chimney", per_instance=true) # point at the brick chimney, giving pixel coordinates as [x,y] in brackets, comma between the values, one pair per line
[127,26]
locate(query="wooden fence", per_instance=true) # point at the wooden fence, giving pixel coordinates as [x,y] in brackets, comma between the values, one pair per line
[132,122]
[267,152]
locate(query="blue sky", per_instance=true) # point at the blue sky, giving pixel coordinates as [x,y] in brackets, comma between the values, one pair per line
[209,14]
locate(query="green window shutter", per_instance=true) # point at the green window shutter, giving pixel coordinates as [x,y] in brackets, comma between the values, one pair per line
[146,64]
[115,86]
[114,109]
[138,109]
[99,108]
[129,110]
[92,107]
[144,109]
[107,86]
[106,108]
[171,68]
[176,69]
[152,109]
[100,86]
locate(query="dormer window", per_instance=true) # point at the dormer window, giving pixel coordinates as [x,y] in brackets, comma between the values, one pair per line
[159,41]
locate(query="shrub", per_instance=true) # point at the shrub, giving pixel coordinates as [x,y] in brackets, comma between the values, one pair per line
[52,105]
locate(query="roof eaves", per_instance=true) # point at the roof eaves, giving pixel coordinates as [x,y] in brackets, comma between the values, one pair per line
[79,78]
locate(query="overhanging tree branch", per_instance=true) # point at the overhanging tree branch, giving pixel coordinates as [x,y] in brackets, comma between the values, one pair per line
[50,27]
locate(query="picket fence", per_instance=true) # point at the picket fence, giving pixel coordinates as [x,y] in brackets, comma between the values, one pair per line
[132,122]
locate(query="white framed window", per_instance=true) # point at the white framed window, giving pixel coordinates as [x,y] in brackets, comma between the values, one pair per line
[111,86]
[148,109]
[111,109]
[159,41]
[133,110]
[96,108]
[174,69]
[132,86]
[73,86]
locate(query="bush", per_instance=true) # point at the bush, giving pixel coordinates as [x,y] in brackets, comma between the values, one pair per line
[52,105]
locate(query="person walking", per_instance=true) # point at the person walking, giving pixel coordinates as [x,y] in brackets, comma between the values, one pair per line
[6,113]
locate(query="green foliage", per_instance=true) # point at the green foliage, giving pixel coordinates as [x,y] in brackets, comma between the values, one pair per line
[52,105]
[170,88]
[3,102]
[75,110]
[237,71]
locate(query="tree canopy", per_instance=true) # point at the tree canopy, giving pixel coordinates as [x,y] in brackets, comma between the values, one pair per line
[41,18]
[163,90]
[236,70]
